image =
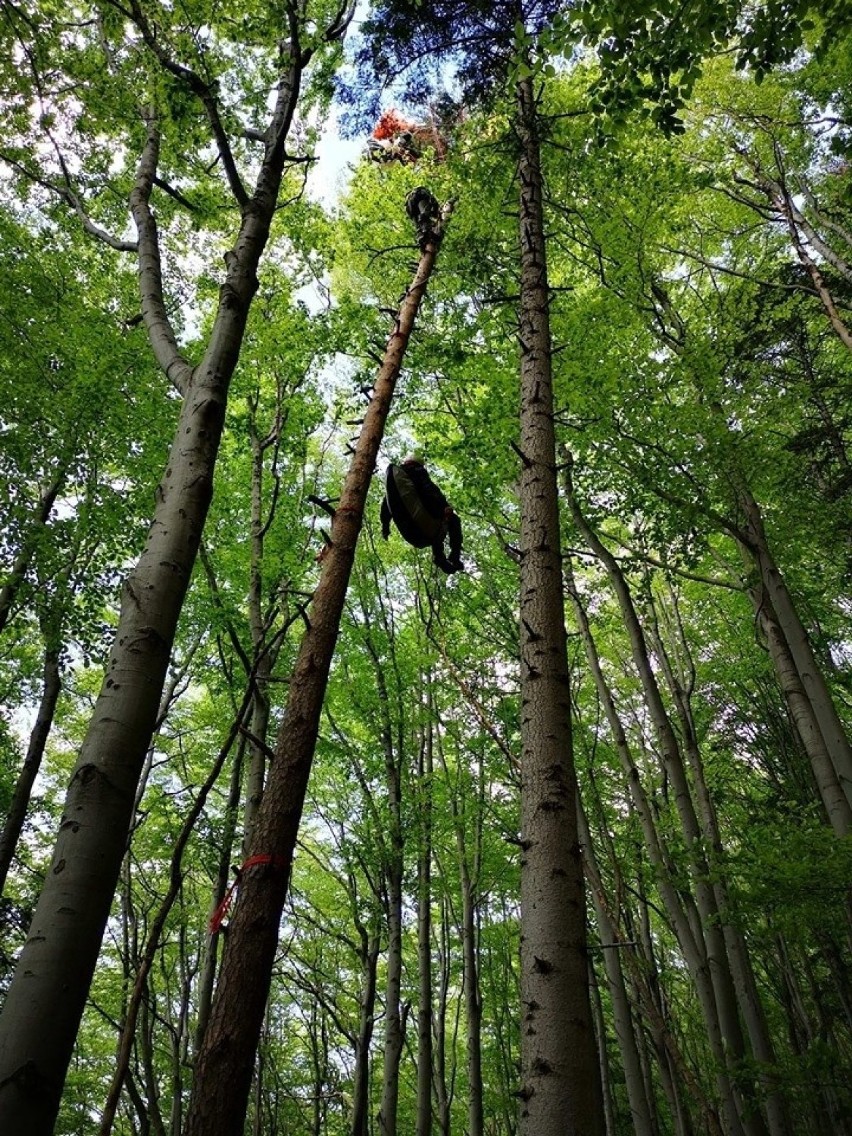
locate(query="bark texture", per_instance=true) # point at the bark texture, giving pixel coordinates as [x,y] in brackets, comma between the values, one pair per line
[226,1058]
[48,992]
[560,1080]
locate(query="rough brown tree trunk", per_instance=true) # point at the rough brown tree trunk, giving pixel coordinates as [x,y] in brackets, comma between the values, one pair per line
[560,1080]
[224,1064]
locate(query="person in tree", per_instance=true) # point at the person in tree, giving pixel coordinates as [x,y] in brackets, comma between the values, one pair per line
[422,513]
[425,212]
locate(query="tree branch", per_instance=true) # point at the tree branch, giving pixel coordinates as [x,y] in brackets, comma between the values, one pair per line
[157,323]
[202,91]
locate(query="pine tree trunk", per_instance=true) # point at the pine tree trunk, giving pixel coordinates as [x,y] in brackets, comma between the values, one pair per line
[560,1079]
[224,1064]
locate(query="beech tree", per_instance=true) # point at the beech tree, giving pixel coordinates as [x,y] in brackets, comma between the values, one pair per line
[45,1001]
[698,380]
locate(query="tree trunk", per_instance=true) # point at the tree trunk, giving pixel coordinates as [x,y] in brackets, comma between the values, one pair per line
[393,846]
[158,923]
[370,946]
[799,645]
[748,997]
[424,922]
[560,1080]
[48,992]
[224,1064]
[51,687]
[206,981]
[740,1115]
[640,1107]
[610,1126]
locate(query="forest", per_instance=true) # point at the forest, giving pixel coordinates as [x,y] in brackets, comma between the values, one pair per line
[299,834]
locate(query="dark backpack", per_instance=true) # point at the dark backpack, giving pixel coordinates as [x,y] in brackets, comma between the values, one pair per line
[410,515]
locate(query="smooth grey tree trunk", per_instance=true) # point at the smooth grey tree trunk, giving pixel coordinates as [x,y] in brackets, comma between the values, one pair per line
[225,1061]
[45,1002]
[741,1110]
[560,1089]
[680,906]
[799,646]
[393,851]
[745,985]
[369,955]
[640,1106]
[610,1126]
[425,764]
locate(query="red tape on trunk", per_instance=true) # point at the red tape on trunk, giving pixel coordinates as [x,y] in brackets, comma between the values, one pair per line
[218,916]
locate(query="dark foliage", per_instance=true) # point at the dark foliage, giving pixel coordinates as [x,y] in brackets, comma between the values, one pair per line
[418,48]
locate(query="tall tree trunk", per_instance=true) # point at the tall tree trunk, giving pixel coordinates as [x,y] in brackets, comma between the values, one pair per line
[394,851]
[51,688]
[45,1002]
[224,1064]
[610,1126]
[748,997]
[369,954]
[443,1090]
[468,875]
[158,923]
[424,919]
[679,904]
[837,810]
[560,1080]
[262,658]
[799,645]
[204,994]
[640,1106]
[741,1115]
